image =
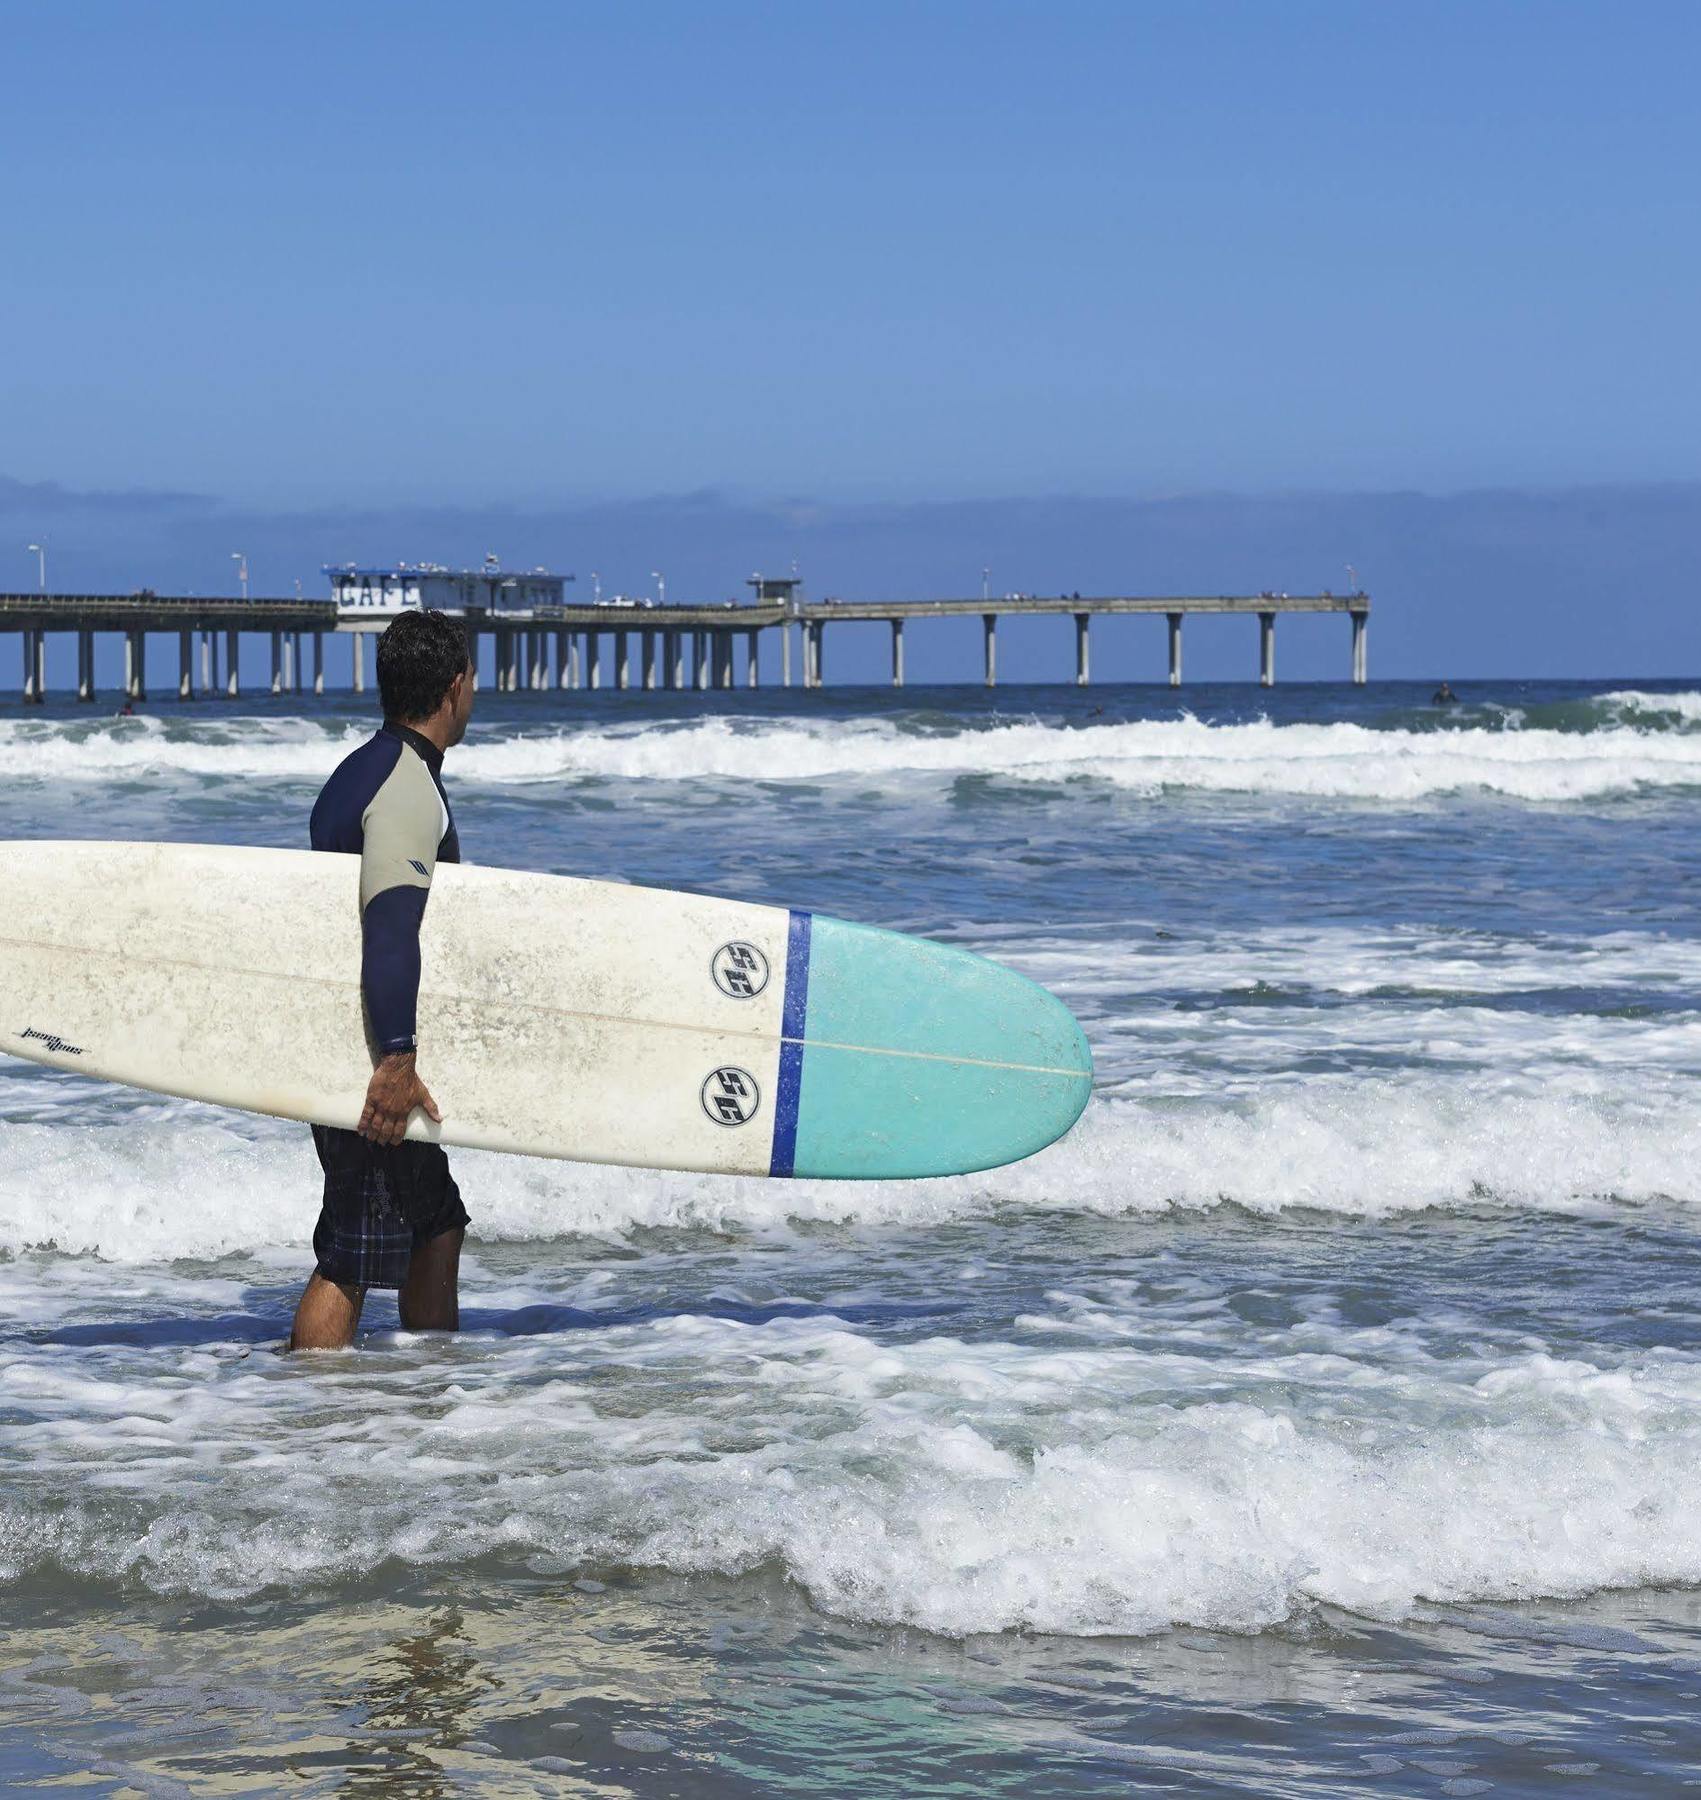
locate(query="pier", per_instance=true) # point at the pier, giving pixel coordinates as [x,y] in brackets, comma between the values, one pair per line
[562,647]
[1174,608]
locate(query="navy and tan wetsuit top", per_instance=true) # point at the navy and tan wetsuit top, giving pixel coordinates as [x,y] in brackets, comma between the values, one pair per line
[385,804]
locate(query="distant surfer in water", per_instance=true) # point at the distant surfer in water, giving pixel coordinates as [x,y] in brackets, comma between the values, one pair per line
[1444,696]
[392,1214]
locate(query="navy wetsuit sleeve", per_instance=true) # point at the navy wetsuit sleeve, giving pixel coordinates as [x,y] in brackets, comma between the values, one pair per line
[402,829]
[389,965]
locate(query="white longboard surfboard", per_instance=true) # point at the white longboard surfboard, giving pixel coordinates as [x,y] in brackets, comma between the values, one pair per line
[557,1017]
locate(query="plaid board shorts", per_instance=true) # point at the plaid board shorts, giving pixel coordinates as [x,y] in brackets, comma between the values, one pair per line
[382,1201]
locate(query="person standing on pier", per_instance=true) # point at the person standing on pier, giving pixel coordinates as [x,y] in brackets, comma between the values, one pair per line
[392,1215]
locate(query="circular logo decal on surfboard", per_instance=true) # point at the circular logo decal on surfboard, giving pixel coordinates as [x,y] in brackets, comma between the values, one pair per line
[740,970]
[730,1096]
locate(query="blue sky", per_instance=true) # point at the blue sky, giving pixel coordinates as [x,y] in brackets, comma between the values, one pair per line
[343,263]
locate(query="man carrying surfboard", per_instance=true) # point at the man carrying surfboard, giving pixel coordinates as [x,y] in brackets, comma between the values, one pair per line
[392,1215]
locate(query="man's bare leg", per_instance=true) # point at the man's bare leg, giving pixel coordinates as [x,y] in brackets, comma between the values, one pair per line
[327,1314]
[430,1299]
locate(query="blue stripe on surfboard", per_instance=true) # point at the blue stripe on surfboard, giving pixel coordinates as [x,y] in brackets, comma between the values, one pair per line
[793,1017]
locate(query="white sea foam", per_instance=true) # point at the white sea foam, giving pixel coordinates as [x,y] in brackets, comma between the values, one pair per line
[1077,1482]
[146,748]
[206,1187]
[1147,756]
[1118,1456]
[1345,761]
[1334,761]
[1638,705]
[1350,960]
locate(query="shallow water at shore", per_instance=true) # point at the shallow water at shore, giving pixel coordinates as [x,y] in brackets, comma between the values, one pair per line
[502,1681]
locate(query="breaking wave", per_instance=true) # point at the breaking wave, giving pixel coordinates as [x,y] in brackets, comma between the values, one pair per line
[1139,1458]
[1682,710]
[1150,757]
[179,1184]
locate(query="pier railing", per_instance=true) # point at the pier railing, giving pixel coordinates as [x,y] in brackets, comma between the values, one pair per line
[560,647]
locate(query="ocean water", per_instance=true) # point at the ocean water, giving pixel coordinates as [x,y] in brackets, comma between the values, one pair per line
[1322,1417]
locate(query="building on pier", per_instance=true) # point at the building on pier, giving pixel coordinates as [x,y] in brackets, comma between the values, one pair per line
[777,590]
[361,593]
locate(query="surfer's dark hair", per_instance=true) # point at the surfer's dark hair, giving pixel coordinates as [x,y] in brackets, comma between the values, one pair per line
[419,656]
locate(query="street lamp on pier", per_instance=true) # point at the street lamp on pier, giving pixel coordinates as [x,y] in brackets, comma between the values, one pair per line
[41,562]
[661,586]
[241,561]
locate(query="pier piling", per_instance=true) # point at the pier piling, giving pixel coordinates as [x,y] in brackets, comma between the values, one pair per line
[1266,649]
[1174,649]
[989,642]
[897,653]
[1082,669]
[1361,664]
[186,665]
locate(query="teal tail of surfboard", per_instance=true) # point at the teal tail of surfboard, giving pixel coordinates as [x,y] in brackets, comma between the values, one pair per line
[904,1057]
